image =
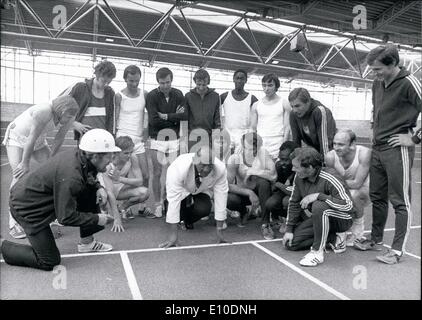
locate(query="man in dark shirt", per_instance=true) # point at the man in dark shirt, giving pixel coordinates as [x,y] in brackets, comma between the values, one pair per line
[66,189]
[320,205]
[396,98]
[166,109]
[276,205]
[203,105]
[311,122]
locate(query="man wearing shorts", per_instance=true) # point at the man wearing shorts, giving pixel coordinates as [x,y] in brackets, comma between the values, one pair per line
[166,108]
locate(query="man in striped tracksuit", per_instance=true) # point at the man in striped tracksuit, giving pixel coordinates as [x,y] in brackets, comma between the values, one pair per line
[311,122]
[320,205]
[396,98]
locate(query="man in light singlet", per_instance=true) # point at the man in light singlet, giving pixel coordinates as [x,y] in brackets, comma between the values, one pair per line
[25,138]
[236,107]
[130,118]
[123,181]
[270,116]
[352,162]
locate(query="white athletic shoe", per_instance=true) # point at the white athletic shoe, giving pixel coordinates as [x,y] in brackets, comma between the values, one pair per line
[94,246]
[159,211]
[340,245]
[312,259]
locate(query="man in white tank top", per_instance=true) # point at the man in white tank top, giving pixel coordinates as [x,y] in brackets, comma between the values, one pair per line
[236,107]
[131,120]
[352,162]
[270,116]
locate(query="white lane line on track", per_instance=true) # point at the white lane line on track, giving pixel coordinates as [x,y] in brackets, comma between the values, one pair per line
[392,229]
[130,275]
[303,273]
[4,164]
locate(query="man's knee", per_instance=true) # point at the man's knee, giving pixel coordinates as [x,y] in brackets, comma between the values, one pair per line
[48,263]
[271,204]
[143,193]
[318,207]
[262,183]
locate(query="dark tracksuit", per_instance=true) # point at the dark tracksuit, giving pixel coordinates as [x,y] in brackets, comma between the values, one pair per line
[331,213]
[396,109]
[202,113]
[63,188]
[274,204]
[156,102]
[82,92]
[316,128]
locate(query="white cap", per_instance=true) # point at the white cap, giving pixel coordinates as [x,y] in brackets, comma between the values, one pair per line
[98,141]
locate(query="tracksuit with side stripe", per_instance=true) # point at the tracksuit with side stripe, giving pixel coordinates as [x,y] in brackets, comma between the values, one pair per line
[316,128]
[332,212]
[396,109]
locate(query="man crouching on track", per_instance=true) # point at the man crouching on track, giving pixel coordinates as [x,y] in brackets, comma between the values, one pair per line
[320,205]
[191,180]
[65,187]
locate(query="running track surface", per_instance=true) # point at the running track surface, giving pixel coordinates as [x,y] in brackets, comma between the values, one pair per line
[247,268]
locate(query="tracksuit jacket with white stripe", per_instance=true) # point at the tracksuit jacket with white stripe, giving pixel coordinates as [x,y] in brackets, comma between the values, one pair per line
[316,128]
[331,189]
[396,108]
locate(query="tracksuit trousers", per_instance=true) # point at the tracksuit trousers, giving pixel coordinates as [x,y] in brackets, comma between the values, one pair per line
[390,180]
[320,228]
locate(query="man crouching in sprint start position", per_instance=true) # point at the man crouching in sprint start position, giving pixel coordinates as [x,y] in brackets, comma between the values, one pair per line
[192,179]
[320,206]
[64,188]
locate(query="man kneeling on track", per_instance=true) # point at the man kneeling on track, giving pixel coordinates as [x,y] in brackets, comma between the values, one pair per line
[123,181]
[320,205]
[192,180]
[64,188]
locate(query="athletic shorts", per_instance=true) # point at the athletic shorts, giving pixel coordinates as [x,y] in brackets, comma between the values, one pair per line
[169,146]
[138,141]
[272,145]
[16,139]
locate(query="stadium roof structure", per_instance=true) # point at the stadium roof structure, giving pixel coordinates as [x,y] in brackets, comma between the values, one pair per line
[304,39]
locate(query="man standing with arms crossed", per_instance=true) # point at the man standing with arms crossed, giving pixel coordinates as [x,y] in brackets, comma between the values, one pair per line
[166,108]
[396,98]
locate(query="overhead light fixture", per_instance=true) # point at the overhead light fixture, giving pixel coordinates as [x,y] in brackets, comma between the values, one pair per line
[109,40]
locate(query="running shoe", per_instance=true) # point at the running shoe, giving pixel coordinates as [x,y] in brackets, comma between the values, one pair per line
[366,245]
[312,259]
[340,244]
[390,257]
[17,232]
[267,232]
[94,246]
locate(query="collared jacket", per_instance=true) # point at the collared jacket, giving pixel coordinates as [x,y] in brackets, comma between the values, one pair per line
[82,92]
[396,108]
[180,183]
[316,128]
[203,113]
[53,191]
[156,102]
[332,190]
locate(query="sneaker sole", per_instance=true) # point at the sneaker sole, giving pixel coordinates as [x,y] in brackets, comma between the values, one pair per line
[88,251]
[387,261]
[18,237]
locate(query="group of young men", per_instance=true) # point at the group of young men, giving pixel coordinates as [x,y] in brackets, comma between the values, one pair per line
[281,160]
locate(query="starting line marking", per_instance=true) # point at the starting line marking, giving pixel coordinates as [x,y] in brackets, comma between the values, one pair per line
[130,275]
[303,273]
[4,164]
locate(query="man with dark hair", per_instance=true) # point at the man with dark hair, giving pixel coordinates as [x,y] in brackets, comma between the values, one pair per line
[270,116]
[131,120]
[193,179]
[236,106]
[311,122]
[352,163]
[276,206]
[166,109]
[64,188]
[396,98]
[203,105]
[96,100]
[249,175]
[320,205]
